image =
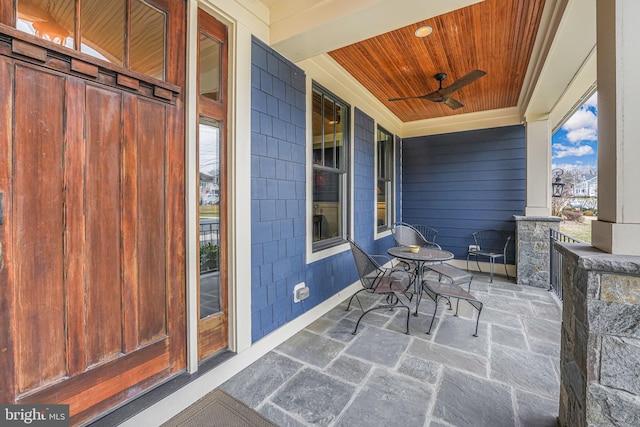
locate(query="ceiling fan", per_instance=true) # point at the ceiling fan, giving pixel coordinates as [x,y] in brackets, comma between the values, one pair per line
[444,94]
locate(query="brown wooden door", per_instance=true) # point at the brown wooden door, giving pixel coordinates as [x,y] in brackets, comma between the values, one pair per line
[92,307]
[213,329]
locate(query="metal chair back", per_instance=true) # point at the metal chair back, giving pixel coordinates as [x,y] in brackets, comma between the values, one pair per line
[406,235]
[368,269]
[376,279]
[429,233]
[492,244]
[492,241]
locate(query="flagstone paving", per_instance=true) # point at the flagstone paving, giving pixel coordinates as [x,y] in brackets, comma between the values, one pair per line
[507,376]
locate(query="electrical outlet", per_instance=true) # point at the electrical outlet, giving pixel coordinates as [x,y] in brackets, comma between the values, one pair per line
[300,292]
[473,248]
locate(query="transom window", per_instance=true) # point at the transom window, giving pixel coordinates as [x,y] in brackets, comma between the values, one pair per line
[385,181]
[330,128]
[129,33]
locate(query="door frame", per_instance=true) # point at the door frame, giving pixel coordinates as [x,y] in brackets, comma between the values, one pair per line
[238,128]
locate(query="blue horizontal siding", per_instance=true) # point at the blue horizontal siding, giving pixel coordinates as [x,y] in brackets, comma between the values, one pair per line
[464,182]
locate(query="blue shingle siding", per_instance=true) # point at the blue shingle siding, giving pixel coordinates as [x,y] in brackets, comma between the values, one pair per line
[278,172]
[462,182]
[398,152]
[363,175]
[278,193]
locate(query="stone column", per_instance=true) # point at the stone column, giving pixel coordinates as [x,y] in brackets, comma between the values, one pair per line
[533,249]
[617,229]
[538,167]
[600,344]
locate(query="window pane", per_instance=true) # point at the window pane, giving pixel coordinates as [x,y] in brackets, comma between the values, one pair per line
[329,133]
[49,20]
[209,192]
[210,76]
[384,172]
[330,175]
[382,159]
[382,204]
[339,131]
[148,39]
[316,120]
[103,26]
[327,205]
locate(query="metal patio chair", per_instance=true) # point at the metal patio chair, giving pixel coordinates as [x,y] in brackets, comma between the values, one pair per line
[429,233]
[379,280]
[491,244]
[405,234]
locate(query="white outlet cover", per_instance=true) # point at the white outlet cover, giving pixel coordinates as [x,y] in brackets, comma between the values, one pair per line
[295,291]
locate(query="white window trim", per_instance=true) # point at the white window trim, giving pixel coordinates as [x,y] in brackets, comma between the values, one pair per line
[382,234]
[333,250]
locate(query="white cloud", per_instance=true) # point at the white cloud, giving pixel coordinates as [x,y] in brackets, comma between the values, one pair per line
[591,102]
[582,134]
[564,166]
[582,118]
[566,151]
[583,125]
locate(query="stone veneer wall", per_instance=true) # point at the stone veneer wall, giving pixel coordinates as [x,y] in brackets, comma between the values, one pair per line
[600,354]
[532,249]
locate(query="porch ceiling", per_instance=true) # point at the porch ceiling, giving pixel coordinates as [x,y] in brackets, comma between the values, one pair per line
[530,57]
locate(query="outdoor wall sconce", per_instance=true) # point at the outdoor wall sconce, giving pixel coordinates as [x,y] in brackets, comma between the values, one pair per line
[557,184]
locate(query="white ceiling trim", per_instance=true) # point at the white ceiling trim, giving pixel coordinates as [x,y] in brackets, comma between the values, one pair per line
[579,91]
[327,72]
[549,23]
[573,44]
[331,24]
[463,122]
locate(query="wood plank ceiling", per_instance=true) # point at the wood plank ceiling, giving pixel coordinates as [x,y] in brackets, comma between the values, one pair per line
[496,36]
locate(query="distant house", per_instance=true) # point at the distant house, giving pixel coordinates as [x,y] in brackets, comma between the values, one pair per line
[209,189]
[586,186]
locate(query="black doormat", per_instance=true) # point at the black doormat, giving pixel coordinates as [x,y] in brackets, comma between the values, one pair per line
[218,409]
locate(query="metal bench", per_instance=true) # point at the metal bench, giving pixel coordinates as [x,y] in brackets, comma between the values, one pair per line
[455,275]
[451,288]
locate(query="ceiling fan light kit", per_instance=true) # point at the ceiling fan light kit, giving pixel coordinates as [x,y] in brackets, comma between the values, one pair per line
[443,94]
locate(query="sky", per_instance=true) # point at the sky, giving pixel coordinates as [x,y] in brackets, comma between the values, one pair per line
[575,144]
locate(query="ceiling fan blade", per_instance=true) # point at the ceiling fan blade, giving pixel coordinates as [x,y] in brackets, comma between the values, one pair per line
[433,96]
[454,104]
[408,97]
[462,82]
[403,99]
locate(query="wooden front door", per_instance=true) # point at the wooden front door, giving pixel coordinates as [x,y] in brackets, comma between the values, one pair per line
[92,242]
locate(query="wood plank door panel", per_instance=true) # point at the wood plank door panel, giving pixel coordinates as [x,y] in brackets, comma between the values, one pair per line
[151,129]
[102,223]
[38,226]
[94,309]
[7,302]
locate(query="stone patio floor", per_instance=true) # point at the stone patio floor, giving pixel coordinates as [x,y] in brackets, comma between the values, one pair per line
[507,376]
